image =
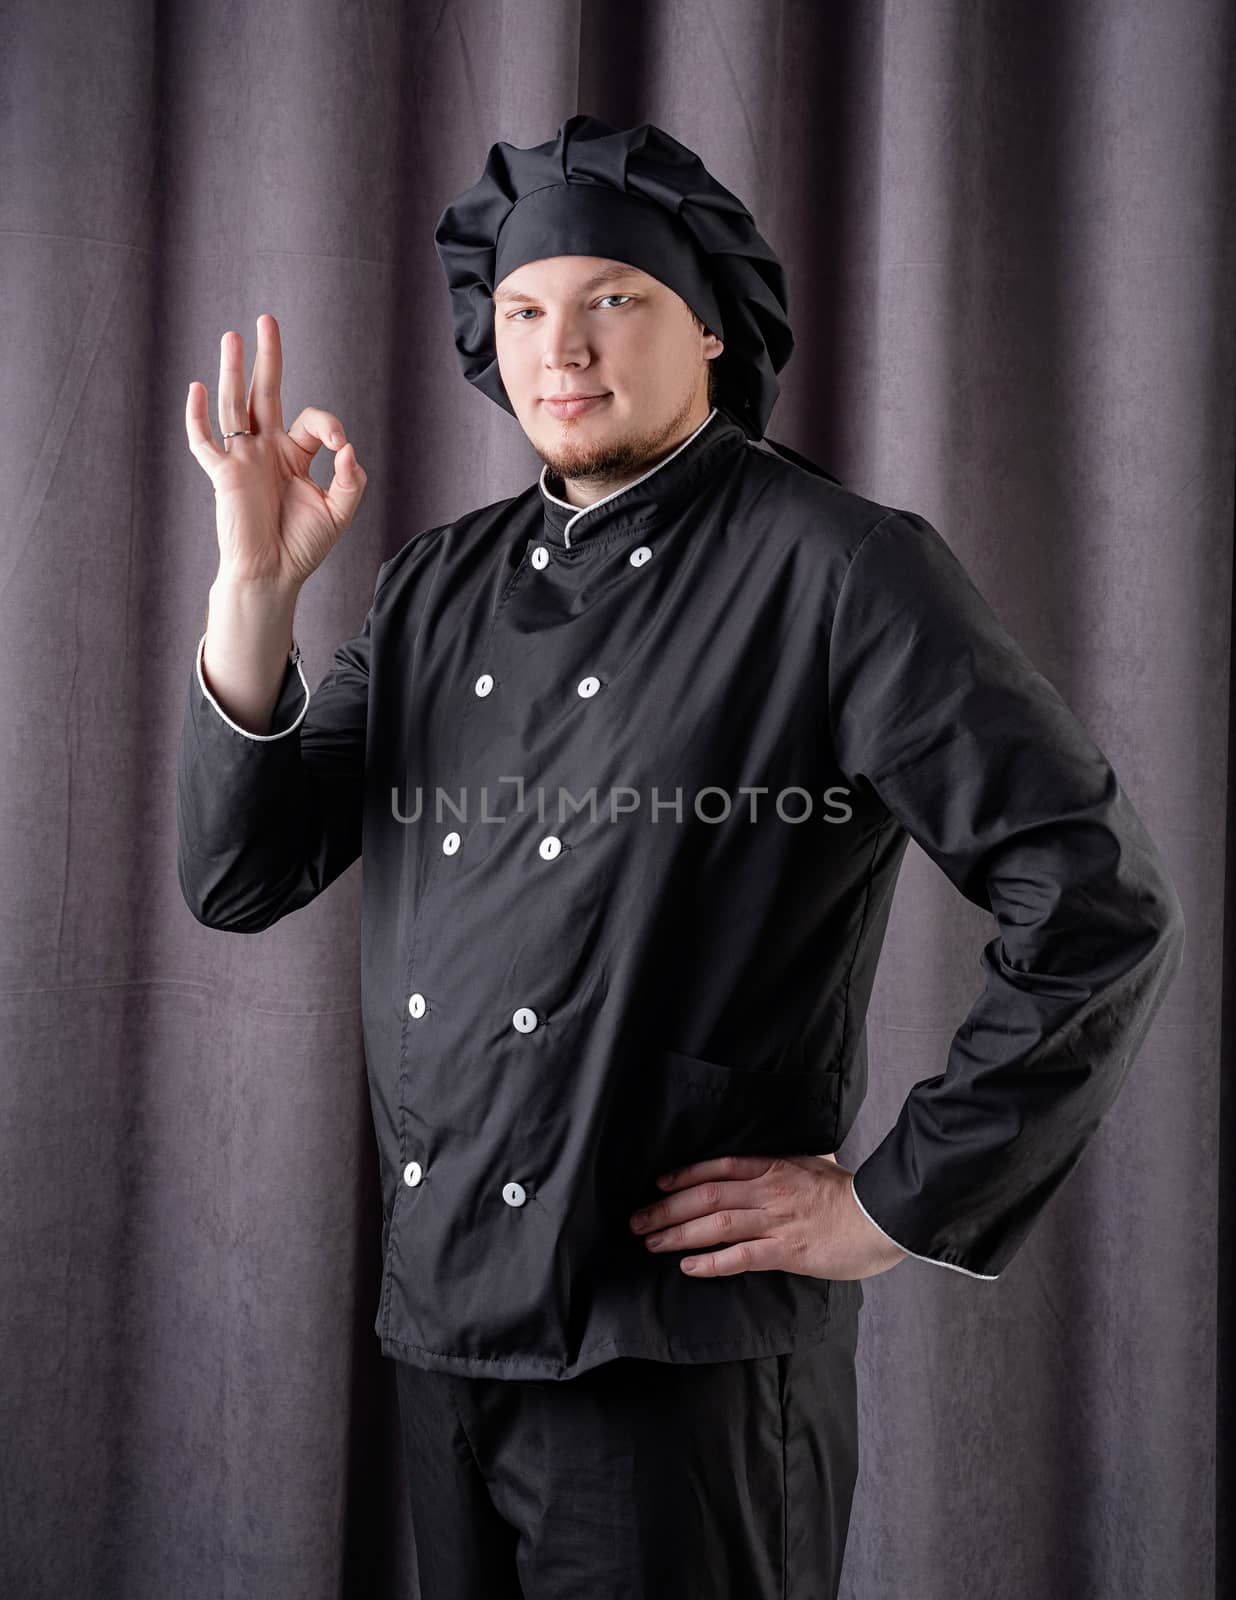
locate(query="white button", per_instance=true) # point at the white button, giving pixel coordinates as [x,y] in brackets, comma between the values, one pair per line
[513,1194]
[589,686]
[540,557]
[550,846]
[451,843]
[638,557]
[484,683]
[524,1019]
[412,1174]
[416,1004]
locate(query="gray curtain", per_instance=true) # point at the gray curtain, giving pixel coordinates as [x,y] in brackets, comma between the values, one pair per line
[1008,231]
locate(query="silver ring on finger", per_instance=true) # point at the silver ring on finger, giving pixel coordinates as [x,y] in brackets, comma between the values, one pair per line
[233,434]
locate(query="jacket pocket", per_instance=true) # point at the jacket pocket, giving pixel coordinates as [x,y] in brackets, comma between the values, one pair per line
[694,1110]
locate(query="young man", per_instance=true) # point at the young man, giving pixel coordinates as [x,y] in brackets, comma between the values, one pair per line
[633,757]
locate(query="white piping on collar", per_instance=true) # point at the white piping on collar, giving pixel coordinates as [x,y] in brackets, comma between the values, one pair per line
[582,511]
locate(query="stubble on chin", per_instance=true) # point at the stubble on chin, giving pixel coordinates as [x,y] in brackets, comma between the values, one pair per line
[600,462]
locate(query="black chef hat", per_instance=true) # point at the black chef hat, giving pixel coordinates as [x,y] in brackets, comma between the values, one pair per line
[633,195]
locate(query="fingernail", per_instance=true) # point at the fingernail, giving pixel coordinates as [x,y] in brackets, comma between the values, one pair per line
[336,437]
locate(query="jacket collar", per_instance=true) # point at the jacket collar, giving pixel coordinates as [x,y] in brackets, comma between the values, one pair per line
[673,479]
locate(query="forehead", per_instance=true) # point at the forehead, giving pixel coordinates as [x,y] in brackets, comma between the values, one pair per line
[564,275]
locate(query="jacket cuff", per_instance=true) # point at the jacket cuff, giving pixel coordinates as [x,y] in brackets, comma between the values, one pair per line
[936,1261]
[285,705]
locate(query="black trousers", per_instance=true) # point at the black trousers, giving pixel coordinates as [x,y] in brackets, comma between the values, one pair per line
[637,1480]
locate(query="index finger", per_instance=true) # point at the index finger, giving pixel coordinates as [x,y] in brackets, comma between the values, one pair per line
[265,403]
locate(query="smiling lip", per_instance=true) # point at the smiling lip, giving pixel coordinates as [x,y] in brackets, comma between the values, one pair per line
[574,406]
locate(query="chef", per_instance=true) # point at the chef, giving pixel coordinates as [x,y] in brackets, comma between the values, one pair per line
[633,758]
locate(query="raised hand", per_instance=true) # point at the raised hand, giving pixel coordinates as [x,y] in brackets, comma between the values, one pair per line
[275,525]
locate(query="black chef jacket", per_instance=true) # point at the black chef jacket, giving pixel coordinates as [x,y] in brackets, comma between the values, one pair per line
[633,783]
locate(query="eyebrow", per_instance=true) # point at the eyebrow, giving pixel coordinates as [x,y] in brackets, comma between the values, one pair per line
[606,275]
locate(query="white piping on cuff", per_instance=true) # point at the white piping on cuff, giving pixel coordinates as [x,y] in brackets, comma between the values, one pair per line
[260,738]
[989,1277]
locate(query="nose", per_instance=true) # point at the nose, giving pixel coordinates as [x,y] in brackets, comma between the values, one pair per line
[566,346]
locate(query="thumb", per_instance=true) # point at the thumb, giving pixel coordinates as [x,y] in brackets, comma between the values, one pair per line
[347,485]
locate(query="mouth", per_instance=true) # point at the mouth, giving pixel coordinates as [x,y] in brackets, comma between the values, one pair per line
[575,406]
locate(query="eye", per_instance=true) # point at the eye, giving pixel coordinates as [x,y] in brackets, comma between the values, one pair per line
[516,316]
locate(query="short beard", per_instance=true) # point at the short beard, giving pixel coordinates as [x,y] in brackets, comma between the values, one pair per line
[611,461]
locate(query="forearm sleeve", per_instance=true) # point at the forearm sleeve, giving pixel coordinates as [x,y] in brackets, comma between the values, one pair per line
[266,822]
[935,709]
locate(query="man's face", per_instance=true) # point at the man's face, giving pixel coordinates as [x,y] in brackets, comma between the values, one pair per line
[630,338]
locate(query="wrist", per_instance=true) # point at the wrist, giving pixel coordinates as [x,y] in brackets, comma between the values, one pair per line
[252,605]
[277,593]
